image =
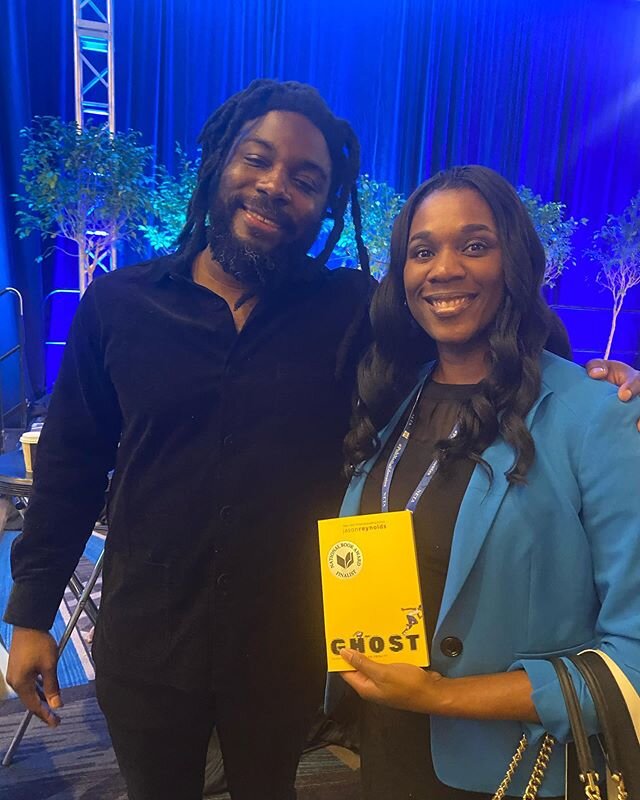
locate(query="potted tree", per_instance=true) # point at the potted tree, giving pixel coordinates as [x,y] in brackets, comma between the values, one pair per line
[168,203]
[554,230]
[380,204]
[616,248]
[86,185]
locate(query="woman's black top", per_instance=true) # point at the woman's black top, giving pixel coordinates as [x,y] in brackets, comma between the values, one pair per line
[395,745]
[435,516]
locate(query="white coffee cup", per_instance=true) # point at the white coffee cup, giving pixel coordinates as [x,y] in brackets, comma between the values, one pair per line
[29,441]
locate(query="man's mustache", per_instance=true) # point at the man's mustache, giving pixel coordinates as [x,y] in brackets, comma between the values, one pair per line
[266,208]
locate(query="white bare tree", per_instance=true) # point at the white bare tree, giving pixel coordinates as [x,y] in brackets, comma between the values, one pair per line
[616,248]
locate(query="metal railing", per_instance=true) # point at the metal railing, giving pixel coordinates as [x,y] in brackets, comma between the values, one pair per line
[18,349]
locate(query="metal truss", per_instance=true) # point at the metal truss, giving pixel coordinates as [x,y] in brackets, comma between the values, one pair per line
[94,81]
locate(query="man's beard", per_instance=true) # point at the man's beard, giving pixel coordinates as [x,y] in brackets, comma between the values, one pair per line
[258,270]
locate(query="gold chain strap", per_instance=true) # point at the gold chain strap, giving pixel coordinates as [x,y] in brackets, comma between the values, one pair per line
[621,789]
[513,765]
[537,774]
[591,788]
[539,768]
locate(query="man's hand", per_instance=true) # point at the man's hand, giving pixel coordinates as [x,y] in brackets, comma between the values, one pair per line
[33,654]
[617,373]
[401,686]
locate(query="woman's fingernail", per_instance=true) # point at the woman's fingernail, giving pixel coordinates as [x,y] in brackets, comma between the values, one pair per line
[346,653]
[597,371]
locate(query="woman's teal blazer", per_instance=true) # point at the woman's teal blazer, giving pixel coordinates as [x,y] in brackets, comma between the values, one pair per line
[539,570]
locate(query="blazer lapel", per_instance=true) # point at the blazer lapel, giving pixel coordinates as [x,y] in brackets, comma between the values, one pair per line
[479,507]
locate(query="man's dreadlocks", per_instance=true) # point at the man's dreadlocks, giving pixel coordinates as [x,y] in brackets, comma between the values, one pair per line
[221,130]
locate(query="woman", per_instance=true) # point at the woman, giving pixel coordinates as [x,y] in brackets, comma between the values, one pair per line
[525,531]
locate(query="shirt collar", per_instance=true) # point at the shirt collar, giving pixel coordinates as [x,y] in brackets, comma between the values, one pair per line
[171,265]
[177,264]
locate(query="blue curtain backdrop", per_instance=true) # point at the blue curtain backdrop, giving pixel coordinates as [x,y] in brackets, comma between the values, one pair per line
[545,91]
[36,69]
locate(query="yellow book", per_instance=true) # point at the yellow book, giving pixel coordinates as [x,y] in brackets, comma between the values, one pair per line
[371,590]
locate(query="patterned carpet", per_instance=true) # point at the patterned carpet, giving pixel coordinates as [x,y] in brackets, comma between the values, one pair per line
[76,762]
[67,763]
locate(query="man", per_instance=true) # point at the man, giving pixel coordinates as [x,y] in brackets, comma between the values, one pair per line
[225,375]
[218,383]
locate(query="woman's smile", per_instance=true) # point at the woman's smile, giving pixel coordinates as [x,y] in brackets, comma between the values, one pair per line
[449,305]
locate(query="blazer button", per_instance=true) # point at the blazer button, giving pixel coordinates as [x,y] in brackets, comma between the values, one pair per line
[451,646]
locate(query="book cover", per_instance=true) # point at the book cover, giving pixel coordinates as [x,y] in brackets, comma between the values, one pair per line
[371,589]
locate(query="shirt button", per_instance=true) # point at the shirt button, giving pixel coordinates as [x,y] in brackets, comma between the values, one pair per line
[451,646]
[223,580]
[226,513]
[227,441]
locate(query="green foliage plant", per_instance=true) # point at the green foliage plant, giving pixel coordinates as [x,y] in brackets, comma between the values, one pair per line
[169,200]
[616,249]
[380,204]
[84,185]
[555,232]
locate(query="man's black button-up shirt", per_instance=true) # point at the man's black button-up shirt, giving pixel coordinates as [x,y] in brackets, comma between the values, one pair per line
[226,449]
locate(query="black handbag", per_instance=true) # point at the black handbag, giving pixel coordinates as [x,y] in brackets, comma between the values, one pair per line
[614,699]
[617,705]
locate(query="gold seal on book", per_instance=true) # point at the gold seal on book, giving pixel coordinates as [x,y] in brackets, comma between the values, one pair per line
[345,560]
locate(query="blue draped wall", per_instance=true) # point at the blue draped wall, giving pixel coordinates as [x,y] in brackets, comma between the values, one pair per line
[545,91]
[36,69]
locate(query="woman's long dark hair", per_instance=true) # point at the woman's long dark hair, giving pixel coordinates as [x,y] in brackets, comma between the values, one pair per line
[519,332]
